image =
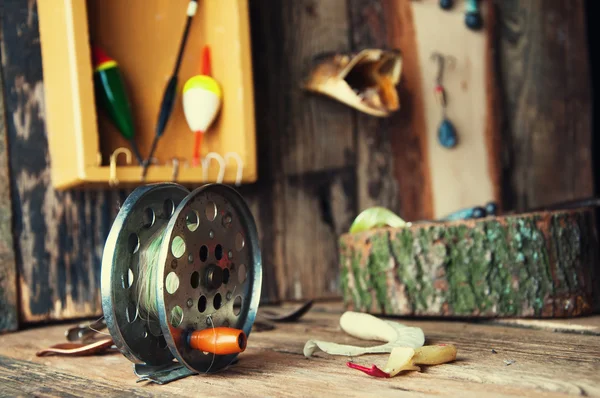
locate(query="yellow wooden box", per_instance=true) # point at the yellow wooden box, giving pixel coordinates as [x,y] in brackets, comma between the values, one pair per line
[143,36]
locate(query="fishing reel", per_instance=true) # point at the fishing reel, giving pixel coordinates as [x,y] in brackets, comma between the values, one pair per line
[206,283]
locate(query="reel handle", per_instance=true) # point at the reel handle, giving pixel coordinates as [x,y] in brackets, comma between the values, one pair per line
[218,341]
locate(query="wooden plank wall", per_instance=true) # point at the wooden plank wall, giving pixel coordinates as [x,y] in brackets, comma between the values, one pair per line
[308,145]
[59,237]
[319,162]
[322,161]
[544,74]
[8,269]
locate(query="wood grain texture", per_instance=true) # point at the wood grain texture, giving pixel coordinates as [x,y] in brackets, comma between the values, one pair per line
[493,122]
[59,236]
[538,265]
[27,378]
[546,364]
[8,268]
[376,185]
[307,156]
[409,143]
[299,219]
[318,208]
[589,325]
[261,199]
[545,76]
[311,132]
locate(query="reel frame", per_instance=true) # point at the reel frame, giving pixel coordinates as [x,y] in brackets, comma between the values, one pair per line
[219,275]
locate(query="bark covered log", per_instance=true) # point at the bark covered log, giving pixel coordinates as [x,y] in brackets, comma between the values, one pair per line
[531,265]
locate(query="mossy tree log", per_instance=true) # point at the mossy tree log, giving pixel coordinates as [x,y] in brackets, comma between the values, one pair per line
[531,265]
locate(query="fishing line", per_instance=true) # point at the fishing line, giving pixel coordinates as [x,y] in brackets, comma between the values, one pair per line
[147,305]
[214,336]
[183,284]
[96,330]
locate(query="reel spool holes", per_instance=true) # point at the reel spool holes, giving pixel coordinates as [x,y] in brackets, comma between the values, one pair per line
[181,277]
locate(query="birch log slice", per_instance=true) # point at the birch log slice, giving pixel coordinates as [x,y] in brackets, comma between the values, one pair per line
[527,265]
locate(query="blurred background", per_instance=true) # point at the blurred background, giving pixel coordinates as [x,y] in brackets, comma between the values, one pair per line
[521,96]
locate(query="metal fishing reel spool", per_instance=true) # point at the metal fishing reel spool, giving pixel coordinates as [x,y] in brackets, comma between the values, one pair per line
[219,273]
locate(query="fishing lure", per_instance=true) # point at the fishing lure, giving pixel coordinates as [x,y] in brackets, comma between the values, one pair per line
[447,136]
[473,18]
[202,96]
[168,100]
[112,96]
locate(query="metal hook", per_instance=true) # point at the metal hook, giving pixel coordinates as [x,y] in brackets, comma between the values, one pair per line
[152,160]
[443,61]
[206,164]
[113,180]
[240,166]
[175,163]
[439,58]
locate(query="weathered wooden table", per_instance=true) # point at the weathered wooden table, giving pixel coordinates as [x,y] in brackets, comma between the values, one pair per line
[551,358]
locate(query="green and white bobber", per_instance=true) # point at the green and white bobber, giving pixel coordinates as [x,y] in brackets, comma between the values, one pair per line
[181,279]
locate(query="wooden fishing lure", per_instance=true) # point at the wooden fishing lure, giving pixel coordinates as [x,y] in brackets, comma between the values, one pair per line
[202,97]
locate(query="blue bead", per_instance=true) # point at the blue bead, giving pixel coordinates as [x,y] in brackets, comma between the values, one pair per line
[478,212]
[491,209]
[447,134]
[473,20]
[446,4]
[472,6]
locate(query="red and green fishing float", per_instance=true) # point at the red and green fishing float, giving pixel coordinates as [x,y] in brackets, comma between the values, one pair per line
[111,95]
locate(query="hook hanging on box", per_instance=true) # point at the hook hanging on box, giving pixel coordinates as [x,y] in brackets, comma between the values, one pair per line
[152,160]
[240,166]
[113,180]
[175,163]
[206,164]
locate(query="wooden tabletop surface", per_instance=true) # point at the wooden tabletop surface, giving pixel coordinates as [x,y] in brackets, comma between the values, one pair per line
[547,358]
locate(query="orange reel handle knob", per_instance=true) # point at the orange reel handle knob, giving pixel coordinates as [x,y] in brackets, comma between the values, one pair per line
[218,341]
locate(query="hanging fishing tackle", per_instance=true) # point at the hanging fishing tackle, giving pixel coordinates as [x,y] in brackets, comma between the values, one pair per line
[446,4]
[447,136]
[473,18]
[170,90]
[181,279]
[202,97]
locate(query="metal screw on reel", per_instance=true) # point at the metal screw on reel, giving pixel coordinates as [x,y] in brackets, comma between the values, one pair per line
[218,268]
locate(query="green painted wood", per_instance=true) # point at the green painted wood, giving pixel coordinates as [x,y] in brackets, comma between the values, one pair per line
[530,265]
